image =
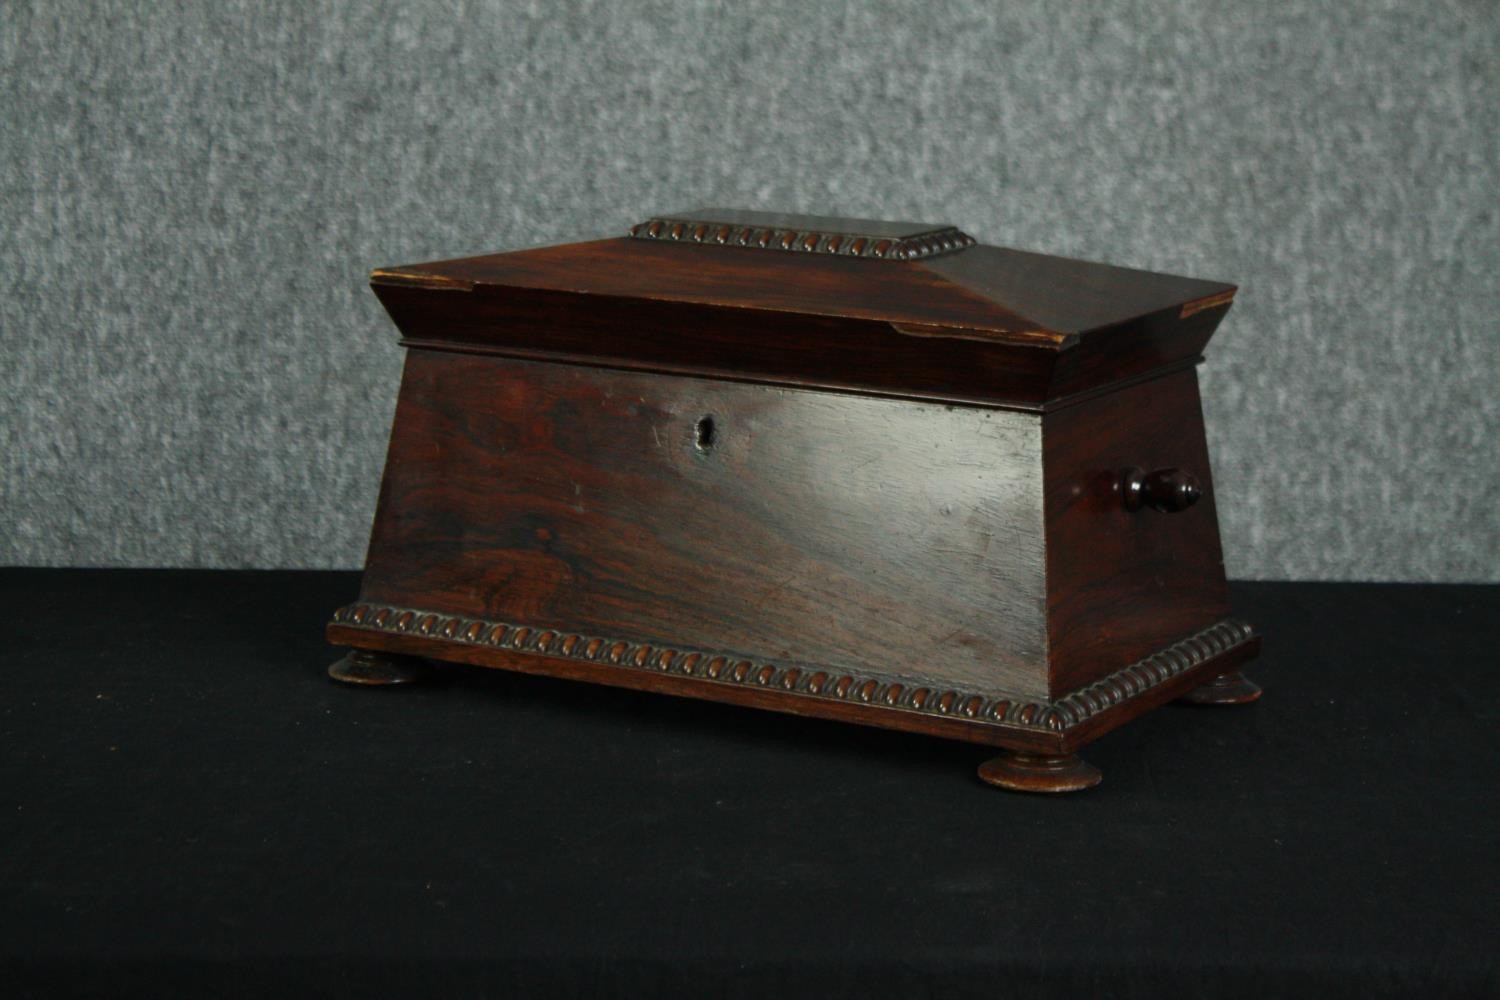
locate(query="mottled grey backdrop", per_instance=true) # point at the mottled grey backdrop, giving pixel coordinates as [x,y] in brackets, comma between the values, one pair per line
[194,373]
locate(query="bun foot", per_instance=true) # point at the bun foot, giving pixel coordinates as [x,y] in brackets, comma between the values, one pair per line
[364,666]
[1233,688]
[1030,772]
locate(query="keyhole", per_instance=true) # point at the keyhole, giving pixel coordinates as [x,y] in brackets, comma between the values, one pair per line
[706,433]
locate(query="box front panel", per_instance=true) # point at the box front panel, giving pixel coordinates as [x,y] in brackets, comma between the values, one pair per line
[839,531]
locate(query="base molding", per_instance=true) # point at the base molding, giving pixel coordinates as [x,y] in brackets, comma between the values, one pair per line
[993,718]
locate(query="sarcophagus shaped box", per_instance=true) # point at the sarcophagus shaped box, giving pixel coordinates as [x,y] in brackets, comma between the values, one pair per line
[868,471]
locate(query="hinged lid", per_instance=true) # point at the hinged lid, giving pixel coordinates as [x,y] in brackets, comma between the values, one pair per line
[892,307]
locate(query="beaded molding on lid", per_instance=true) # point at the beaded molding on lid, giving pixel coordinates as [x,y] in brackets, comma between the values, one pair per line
[930,244]
[726,668]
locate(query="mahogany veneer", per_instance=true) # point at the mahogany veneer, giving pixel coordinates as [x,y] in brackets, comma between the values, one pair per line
[867,471]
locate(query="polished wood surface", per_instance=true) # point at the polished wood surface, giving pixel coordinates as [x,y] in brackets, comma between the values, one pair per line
[1166,490]
[1123,582]
[740,278]
[950,489]
[808,528]
[743,344]
[991,291]
[1018,771]
[866,559]
[982,324]
[1095,301]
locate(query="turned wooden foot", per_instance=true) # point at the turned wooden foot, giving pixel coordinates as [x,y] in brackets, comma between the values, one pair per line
[1031,772]
[1233,688]
[364,666]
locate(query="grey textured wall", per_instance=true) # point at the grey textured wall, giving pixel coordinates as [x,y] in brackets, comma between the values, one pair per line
[195,374]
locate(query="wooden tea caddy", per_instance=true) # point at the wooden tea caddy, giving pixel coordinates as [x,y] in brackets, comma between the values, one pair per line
[866,471]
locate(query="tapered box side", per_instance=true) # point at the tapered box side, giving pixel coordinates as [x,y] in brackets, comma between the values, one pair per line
[1123,584]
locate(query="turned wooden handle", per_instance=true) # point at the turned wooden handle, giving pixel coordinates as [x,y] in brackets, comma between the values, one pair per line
[1168,490]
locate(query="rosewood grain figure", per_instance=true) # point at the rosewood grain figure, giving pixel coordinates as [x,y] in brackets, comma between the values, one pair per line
[867,471]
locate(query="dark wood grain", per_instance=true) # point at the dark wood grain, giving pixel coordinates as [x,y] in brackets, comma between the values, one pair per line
[745,344]
[1059,726]
[987,290]
[965,495]
[960,326]
[1115,355]
[880,551]
[816,529]
[693,274]
[1075,296]
[1123,582]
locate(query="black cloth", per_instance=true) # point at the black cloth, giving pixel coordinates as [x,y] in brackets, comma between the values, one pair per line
[189,806]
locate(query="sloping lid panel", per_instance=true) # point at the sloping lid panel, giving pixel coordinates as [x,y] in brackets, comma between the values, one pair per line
[1074,296]
[718,276]
[719,294]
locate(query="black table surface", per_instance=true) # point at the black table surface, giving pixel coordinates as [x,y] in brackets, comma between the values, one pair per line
[188,806]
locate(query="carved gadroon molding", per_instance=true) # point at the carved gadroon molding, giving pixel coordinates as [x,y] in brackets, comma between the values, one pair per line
[867,688]
[945,239]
